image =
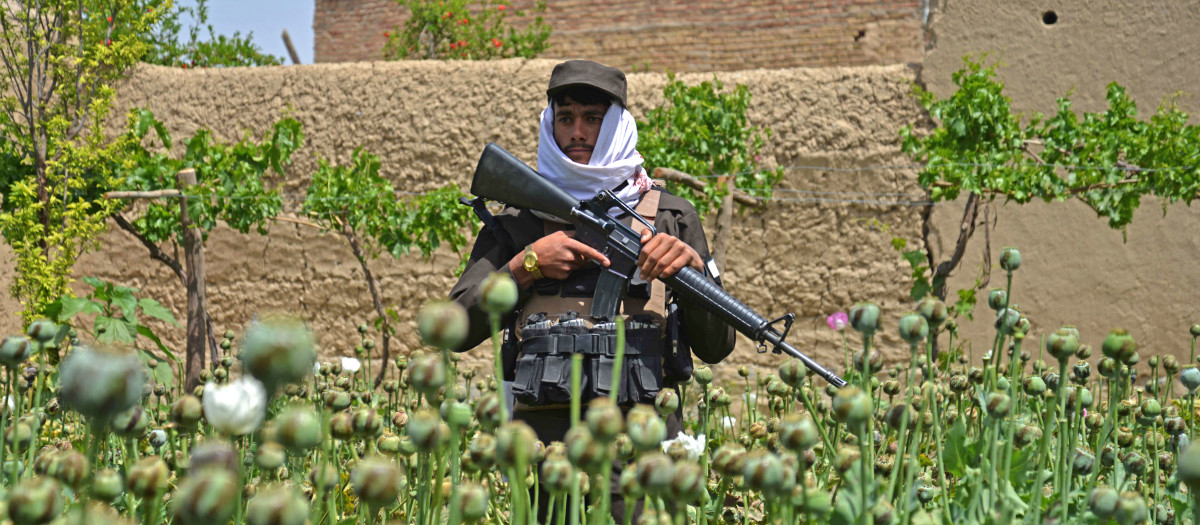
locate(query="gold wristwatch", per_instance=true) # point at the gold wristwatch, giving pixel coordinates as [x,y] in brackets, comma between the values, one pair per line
[530,262]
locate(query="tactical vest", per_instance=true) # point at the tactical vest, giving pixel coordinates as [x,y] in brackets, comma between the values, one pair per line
[555,323]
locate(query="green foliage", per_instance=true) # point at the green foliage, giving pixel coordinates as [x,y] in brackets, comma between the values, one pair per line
[467,30]
[232,183]
[168,48]
[1110,159]
[701,130]
[60,60]
[119,316]
[356,199]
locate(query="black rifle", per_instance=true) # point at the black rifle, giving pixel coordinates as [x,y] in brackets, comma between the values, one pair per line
[504,178]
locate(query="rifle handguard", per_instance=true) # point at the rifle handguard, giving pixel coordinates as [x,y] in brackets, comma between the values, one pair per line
[691,284]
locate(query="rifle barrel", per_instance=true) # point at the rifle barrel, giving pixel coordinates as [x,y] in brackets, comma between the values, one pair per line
[692,284]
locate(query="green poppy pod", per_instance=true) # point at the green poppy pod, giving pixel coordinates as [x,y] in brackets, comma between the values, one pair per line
[558,474]
[864,317]
[471,500]
[498,293]
[792,373]
[645,428]
[688,483]
[148,477]
[425,430]
[933,310]
[516,445]
[278,352]
[298,428]
[913,328]
[15,350]
[997,299]
[666,402]
[277,505]
[442,324]
[107,485]
[35,500]
[1131,509]
[655,472]
[1103,501]
[585,451]
[628,484]
[377,481]
[852,407]
[1062,344]
[604,419]
[1010,259]
[1118,343]
[101,384]
[206,497]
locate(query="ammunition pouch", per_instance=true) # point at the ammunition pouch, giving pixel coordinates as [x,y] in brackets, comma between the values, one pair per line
[543,367]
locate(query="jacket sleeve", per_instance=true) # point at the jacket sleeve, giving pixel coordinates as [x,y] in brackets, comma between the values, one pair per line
[710,338]
[491,253]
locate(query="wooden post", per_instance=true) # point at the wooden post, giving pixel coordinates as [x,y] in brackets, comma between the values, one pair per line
[724,223]
[287,41]
[193,252]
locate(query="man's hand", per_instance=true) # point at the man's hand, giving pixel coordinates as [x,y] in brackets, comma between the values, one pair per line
[663,255]
[558,254]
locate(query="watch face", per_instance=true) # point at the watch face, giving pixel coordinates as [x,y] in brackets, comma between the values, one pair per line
[530,261]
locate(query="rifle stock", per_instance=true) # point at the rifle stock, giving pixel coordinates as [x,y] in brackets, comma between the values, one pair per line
[502,177]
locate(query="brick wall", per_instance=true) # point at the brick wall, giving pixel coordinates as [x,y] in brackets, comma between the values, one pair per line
[676,35]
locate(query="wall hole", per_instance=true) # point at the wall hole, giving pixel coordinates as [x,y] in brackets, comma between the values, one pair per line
[861,33]
[1050,17]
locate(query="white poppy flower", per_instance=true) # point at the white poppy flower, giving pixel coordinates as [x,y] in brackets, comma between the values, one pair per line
[693,445]
[729,423]
[236,408]
[316,367]
[350,364]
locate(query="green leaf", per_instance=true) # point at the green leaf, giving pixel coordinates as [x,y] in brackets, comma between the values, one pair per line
[153,309]
[72,306]
[958,453]
[146,332]
[161,373]
[115,330]
[123,298]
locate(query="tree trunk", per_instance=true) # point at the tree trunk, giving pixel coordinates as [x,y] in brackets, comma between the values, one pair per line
[373,287]
[193,250]
[724,223]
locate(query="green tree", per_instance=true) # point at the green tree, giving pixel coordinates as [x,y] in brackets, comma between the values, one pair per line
[1109,160]
[702,130]
[169,47]
[362,207]
[60,59]
[467,30]
[233,186]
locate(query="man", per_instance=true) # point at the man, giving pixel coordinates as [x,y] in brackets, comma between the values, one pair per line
[587,143]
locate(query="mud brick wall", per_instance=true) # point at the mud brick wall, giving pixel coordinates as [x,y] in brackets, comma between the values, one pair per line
[673,35]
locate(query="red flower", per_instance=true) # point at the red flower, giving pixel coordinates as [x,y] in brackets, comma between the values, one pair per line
[463,22]
[496,42]
[184,66]
[462,43]
[110,19]
[447,15]
[108,42]
[464,54]
[453,45]
[500,7]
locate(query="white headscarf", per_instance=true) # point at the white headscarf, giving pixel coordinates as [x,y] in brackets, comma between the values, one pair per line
[614,160]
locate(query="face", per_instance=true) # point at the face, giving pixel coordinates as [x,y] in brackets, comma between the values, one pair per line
[577,127]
